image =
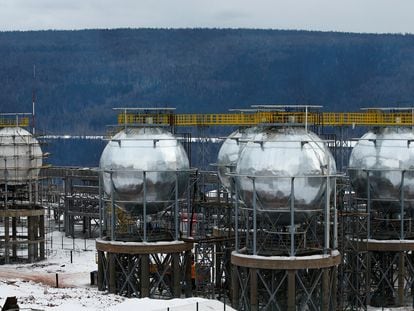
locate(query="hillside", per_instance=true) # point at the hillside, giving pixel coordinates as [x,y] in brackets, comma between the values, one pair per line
[81,75]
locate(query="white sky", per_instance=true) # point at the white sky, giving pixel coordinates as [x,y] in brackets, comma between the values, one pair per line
[376,16]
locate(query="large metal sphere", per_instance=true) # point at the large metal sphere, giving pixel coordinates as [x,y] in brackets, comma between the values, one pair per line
[20,156]
[230,151]
[385,153]
[135,150]
[273,157]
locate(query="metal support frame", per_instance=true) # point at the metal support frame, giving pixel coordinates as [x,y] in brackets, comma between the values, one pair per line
[279,289]
[265,277]
[138,267]
[212,269]
[79,190]
[145,270]
[214,240]
[378,264]
[22,217]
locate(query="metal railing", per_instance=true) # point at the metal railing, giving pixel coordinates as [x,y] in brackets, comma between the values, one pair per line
[365,118]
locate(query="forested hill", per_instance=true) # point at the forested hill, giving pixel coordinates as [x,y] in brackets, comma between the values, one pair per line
[81,75]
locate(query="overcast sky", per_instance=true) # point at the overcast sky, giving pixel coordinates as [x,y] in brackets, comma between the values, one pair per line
[377,16]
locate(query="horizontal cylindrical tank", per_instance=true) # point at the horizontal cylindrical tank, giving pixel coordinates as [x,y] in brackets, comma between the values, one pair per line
[229,153]
[20,156]
[384,154]
[135,150]
[272,159]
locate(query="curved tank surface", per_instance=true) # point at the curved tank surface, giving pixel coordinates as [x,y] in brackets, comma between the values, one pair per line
[385,153]
[229,153]
[275,155]
[20,156]
[134,150]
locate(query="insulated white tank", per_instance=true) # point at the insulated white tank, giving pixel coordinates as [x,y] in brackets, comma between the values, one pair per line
[135,150]
[229,153]
[275,155]
[20,156]
[385,153]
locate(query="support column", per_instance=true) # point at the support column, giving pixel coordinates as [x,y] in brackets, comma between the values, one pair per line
[72,225]
[30,238]
[14,237]
[42,236]
[228,275]
[253,290]
[326,292]
[101,276]
[235,287]
[6,240]
[188,274]
[401,273]
[368,278]
[145,280]
[176,275]
[84,226]
[112,273]
[36,195]
[67,182]
[334,271]
[35,225]
[89,227]
[291,290]
[219,266]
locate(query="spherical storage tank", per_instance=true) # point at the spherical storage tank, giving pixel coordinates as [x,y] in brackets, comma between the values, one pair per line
[384,153]
[229,153]
[20,156]
[150,149]
[273,157]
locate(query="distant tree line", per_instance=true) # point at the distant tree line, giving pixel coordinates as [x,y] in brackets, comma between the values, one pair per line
[81,75]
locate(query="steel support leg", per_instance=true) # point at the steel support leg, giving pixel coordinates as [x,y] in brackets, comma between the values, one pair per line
[253,290]
[291,290]
[145,279]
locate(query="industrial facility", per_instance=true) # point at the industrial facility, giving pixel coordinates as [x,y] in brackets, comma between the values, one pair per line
[292,213]
[22,213]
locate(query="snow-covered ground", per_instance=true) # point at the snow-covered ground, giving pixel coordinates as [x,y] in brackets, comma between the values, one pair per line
[34,285]
[389,309]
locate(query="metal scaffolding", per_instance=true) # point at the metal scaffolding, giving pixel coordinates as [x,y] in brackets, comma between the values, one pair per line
[378,263]
[81,202]
[74,196]
[22,213]
[213,237]
[284,259]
